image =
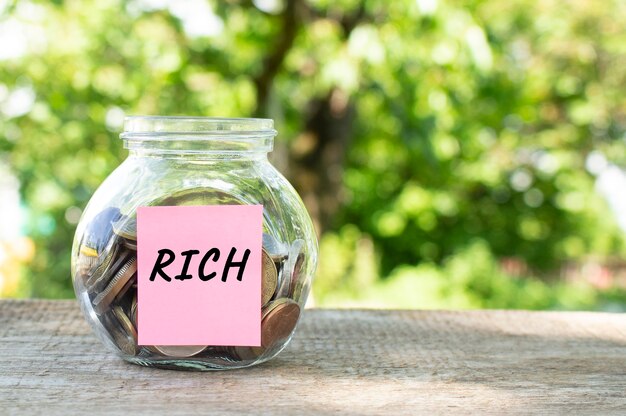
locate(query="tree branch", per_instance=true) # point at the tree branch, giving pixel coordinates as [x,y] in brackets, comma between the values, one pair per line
[350,21]
[263,81]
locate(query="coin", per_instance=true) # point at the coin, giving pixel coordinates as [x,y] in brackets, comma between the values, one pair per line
[126,227]
[297,283]
[280,272]
[84,264]
[133,311]
[88,251]
[247,353]
[130,289]
[107,260]
[269,278]
[99,230]
[97,323]
[274,248]
[220,353]
[122,338]
[125,322]
[115,286]
[180,351]
[199,196]
[287,267]
[130,244]
[279,320]
[105,277]
[286,270]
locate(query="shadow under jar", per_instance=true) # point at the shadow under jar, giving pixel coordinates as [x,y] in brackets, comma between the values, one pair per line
[184,162]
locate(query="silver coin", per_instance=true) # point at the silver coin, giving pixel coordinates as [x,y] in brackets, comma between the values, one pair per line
[98,231]
[276,249]
[126,227]
[130,244]
[105,278]
[106,260]
[116,285]
[289,280]
[180,351]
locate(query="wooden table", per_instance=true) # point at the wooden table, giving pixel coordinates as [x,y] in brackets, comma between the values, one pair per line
[351,362]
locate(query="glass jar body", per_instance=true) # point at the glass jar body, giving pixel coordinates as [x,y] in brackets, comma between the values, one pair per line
[105,247]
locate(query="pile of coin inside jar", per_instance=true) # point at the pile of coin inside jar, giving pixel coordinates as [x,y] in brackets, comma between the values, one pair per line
[106,270]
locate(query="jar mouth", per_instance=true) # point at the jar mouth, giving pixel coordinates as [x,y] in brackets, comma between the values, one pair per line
[183,134]
[210,126]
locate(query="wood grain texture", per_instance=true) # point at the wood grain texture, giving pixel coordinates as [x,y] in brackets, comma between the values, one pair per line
[340,362]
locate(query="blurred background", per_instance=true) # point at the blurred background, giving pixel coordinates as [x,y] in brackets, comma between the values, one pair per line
[453,154]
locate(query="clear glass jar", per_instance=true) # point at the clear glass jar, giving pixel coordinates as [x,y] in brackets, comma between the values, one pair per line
[192,161]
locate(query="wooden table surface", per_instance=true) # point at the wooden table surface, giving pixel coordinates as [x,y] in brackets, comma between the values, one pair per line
[352,362]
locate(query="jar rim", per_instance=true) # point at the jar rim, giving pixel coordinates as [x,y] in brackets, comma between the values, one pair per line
[149,126]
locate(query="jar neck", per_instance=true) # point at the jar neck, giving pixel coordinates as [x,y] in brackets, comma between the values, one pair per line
[198,137]
[202,147]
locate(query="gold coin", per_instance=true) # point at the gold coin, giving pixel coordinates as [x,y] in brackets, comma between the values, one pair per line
[120,331]
[108,263]
[269,278]
[125,322]
[115,286]
[180,351]
[88,251]
[279,320]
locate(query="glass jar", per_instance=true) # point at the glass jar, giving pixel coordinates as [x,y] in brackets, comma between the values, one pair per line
[201,184]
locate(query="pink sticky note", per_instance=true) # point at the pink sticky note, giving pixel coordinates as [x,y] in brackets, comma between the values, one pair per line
[195,311]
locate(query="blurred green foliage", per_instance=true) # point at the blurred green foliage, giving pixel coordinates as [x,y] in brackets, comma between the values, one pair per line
[472,121]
